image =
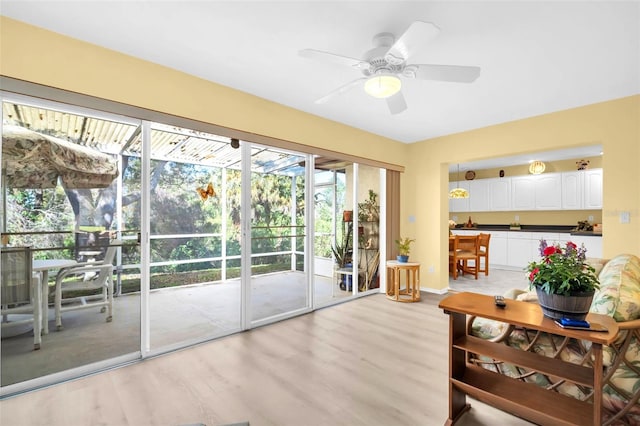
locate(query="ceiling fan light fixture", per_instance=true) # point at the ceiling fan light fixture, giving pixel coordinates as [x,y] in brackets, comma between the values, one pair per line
[382,85]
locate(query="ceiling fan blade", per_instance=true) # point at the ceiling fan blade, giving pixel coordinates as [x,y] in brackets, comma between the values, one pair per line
[453,73]
[396,103]
[340,90]
[415,37]
[319,55]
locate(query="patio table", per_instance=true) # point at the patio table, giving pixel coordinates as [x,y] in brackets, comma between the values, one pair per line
[44,266]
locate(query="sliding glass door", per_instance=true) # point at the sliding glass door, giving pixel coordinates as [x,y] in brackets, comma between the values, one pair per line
[279,283]
[71,196]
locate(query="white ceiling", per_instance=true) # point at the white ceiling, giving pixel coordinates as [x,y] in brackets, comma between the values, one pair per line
[536,57]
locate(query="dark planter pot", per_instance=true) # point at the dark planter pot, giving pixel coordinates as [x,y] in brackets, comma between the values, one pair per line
[402,259]
[556,306]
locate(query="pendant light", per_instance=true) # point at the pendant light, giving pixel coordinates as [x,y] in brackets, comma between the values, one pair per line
[458,192]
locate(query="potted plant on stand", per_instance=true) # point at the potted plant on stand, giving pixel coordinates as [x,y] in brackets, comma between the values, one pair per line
[343,253]
[404,247]
[564,282]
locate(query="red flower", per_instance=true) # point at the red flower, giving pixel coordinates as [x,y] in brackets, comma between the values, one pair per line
[548,251]
[571,246]
[533,274]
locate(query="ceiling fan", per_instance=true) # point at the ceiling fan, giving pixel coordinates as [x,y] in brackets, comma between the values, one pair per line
[383,66]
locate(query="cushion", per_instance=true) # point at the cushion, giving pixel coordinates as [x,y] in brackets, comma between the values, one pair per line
[597,263]
[619,293]
[529,296]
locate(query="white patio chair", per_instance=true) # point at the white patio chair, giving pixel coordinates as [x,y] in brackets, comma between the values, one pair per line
[20,291]
[84,278]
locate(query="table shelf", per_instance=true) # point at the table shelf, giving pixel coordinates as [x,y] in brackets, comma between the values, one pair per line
[525,400]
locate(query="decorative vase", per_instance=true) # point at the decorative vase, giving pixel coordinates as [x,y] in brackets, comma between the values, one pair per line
[556,306]
[347,216]
[402,258]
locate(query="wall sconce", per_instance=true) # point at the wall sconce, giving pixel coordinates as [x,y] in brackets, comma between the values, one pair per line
[536,167]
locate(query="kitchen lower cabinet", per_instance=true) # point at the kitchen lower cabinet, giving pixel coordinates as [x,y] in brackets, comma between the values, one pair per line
[521,248]
[593,244]
[498,248]
[514,250]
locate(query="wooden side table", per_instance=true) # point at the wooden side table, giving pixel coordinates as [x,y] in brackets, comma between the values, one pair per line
[411,293]
[526,400]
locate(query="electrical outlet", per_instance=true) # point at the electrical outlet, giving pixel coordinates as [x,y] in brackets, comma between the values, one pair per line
[454,218]
[517,218]
[590,218]
[432,269]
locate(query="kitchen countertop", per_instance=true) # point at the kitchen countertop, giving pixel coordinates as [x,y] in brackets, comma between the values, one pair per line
[565,229]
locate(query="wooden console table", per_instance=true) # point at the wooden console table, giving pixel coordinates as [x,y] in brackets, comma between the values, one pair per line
[522,399]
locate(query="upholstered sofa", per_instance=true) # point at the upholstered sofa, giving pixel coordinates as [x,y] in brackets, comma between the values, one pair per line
[618,297]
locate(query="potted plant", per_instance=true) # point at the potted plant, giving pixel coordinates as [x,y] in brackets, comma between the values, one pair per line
[343,253]
[564,282]
[369,210]
[404,247]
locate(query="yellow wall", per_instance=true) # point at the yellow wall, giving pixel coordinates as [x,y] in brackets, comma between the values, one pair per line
[613,124]
[40,56]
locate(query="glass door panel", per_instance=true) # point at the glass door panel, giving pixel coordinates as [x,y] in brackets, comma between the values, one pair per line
[279,282]
[85,213]
[368,236]
[193,295]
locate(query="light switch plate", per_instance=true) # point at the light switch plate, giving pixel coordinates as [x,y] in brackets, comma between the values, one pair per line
[625,217]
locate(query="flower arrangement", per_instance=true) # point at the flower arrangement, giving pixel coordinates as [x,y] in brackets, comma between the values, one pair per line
[562,271]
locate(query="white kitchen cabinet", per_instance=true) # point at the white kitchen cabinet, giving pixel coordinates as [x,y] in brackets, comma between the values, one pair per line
[459,204]
[592,189]
[499,194]
[523,190]
[548,191]
[521,249]
[478,195]
[572,190]
[498,248]
[593,244]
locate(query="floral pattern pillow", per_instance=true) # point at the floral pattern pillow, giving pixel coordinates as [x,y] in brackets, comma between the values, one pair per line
[619,293]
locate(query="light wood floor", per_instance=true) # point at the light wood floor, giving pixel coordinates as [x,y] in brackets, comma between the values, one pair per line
[367,362]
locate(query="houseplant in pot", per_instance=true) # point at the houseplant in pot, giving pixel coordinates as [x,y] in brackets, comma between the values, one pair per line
[404,247]
[564,281]
[343,253]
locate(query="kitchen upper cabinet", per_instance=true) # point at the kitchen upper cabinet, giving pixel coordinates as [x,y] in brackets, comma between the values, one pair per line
[459,204]
[592,189]
[548,191]
[572,190]
[579,190]
[478,195]
[523,189]
[499,194]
